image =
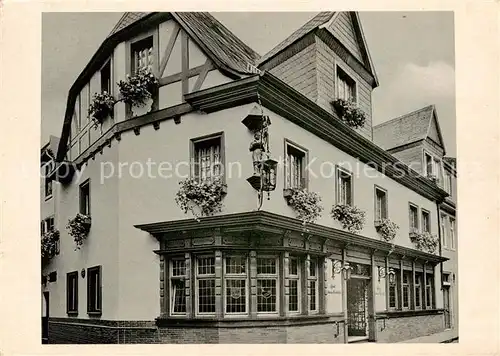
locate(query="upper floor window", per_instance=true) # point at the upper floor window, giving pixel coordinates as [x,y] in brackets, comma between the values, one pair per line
[47,182]
[85,198]
[438,171]
[47,224]
[429,165]
[449,184]
[207,157]
[295,167]
[452,233]
[346,86]
[106,78]
[444,235]
[426,221]
[380,204]
[413,218]
[142,55]
[344,187]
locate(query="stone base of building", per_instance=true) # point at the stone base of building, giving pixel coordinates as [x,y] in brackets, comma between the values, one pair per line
[391,327]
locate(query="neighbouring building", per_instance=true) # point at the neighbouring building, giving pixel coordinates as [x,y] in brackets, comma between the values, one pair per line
[265,136]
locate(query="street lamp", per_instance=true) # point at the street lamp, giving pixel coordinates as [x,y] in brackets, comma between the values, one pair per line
[346,271]
[382,273]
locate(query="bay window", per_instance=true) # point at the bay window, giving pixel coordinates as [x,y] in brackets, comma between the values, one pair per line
[429,283]
[267,281]
[242,284]
[236,296]
[205,282]
[406,289]
[418,290]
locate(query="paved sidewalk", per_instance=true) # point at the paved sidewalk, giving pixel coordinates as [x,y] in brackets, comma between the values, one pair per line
[442,337]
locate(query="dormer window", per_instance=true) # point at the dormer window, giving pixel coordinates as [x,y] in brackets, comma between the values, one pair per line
[346,86]
[142,55]
[106,78]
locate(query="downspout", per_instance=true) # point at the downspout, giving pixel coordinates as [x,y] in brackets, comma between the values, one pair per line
[439,240]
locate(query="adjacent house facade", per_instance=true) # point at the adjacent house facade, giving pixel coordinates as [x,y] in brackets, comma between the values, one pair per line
[237,202]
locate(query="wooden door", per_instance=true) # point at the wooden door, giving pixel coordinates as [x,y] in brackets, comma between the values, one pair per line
[357,305]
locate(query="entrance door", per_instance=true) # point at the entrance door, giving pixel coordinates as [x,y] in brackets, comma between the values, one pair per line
[357,307]
[45,318]
[447,311]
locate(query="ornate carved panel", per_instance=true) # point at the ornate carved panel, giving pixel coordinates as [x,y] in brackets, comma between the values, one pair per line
[270,241]
[295,242]
[235,240]
[176,243]
[200,241]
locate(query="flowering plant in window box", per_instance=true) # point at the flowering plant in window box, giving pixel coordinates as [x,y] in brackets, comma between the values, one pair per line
[387,229]
[137,89]
[79,228]
[349,113]
[307,205]
[49,244]
[432,177]
[424,241]
[101,107]
[352,218]
[202,198]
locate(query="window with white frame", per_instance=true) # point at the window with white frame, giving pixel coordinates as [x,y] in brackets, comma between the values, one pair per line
[295,167]
[444,235]
[406,289]
[413,218]
[418,290]
[142,55]
[267,282]
[452,233]
[207,160]
[294,284]
[346,86]
[205,282]
[429,282]
[178,286]
[313,285]
[380,204]
[344,187]
[429,165]
[236,285]
[426,221]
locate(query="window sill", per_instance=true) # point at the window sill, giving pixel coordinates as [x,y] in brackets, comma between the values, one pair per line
[72,314]
[48,197]
[94,313]
[260,321]
[408,313]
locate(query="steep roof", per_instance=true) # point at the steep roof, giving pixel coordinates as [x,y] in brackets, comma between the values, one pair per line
[318,20]
[217,38]
[405,129]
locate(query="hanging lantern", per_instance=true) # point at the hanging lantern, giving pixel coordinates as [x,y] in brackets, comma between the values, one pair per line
[269,174]
[392,276]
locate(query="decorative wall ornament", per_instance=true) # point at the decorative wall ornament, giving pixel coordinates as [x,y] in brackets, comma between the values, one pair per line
[263,178]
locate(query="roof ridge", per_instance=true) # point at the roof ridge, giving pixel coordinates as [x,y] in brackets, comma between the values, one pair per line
[276,49]
[403,116]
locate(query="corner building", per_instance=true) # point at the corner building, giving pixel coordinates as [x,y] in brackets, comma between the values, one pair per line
[149,273]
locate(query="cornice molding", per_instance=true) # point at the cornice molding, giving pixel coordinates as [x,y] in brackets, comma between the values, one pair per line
[278,224]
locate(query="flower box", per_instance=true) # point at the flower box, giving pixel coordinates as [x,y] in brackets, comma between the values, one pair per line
[202,198]
[387,229]
[139,88]
[49,243]
[79,228]
[307,205]
[351,217]
[424,241]
[349,113]
[101,107]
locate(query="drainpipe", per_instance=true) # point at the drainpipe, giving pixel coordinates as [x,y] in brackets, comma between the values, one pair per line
[439,240]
